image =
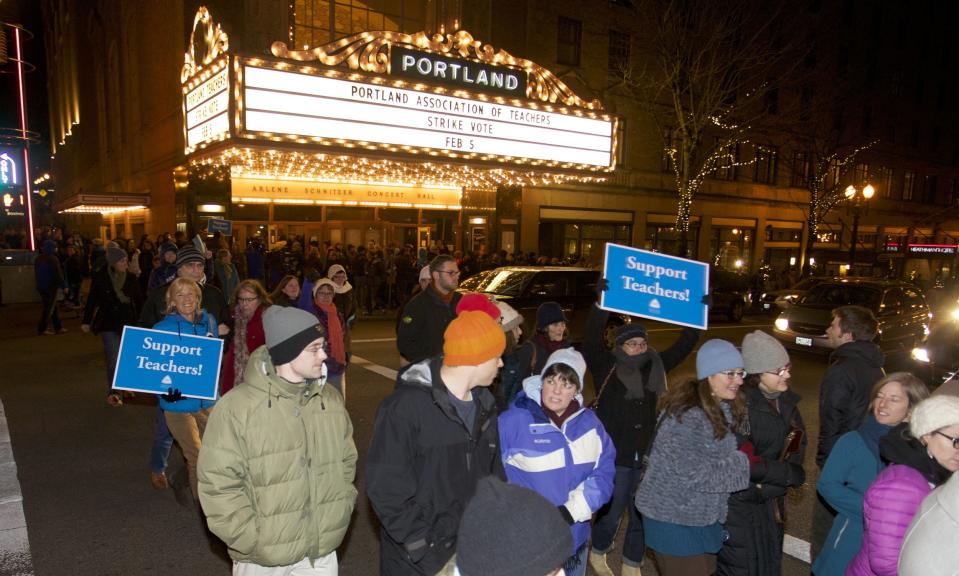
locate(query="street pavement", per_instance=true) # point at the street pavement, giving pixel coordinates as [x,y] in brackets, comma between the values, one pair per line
[82,466]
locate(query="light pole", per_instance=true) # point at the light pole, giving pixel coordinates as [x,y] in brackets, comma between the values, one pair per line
[856,199]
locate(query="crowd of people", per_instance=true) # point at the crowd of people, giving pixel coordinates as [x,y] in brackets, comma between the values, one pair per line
[487,458]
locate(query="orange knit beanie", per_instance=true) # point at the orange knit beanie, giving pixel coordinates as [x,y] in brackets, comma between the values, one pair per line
[471,339]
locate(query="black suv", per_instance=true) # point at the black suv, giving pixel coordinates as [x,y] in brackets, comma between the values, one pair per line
[526,287]
[899,306]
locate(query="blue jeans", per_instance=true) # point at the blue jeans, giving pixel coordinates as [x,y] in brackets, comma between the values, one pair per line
[580,560]
[162,443]
[608,517]
[111,349]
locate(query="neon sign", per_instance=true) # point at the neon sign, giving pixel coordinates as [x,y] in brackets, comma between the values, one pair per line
[8,170]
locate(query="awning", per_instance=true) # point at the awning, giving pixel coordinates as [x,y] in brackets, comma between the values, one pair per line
[102,203]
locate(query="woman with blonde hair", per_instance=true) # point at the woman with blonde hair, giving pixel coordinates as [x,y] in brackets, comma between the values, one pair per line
[186,417]
[854,463]
[250,300]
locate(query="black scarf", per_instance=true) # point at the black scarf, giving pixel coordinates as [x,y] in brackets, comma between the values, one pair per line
[629,370]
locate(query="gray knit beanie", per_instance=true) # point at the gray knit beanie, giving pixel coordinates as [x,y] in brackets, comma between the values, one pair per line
[510,530]
[288,332]
[932,414]
[115,254]
[763,353]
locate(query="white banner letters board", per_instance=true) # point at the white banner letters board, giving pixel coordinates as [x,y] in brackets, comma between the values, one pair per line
[292,103]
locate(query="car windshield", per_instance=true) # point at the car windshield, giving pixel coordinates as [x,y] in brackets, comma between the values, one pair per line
[834,295]
[806,283]
[499,282]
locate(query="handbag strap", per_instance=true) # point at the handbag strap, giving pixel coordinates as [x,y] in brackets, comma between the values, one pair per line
[595,401]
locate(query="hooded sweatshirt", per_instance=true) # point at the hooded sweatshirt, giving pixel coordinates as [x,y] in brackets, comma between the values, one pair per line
[572,466]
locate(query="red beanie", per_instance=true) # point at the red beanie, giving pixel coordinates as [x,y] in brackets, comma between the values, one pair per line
[480,302]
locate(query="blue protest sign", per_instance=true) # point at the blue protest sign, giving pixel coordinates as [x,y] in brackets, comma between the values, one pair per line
[154,361]
[224,227]
[656,286]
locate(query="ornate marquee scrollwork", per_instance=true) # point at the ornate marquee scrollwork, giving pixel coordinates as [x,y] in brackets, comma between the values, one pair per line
[370,52]
[208,39]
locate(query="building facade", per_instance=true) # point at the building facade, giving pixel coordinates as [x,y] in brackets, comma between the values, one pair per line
[123,164]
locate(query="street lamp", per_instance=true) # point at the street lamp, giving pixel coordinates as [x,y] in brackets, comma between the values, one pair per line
[856,199]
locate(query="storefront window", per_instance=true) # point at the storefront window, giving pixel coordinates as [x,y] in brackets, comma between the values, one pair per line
[255,212]
[317,22]
[665,238]
[297,213]
[348,213]
[730,248]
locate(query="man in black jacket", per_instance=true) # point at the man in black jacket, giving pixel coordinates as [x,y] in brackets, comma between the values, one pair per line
[434,437]
[854,366]
[419,333]
[190,264]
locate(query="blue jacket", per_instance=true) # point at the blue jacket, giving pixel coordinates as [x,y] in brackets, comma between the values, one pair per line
[573,467]
[205,326]
[849,470]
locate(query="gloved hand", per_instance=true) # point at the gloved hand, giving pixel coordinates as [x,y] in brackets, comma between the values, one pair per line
[172,395]
[707,300]
[602,285]
[566,515]
[750,452]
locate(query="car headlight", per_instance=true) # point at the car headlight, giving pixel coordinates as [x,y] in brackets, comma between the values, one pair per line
[781,324]
[955,313]
[920,355]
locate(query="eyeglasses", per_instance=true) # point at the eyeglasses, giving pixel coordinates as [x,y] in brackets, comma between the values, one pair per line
[734,374]
[782,371]
[326,293]
[955,441]
[452,273]
[247,300]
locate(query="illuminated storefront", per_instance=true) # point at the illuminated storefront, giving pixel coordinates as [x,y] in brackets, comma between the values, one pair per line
[379,136]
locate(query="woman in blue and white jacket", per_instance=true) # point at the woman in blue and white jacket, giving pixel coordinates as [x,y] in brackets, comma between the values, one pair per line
[186,417]
[553,445]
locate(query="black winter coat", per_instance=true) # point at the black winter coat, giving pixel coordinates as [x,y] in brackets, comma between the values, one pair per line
[419,332]
[844,392]
[422,468]
[755,543]
[212,301]
[104,312]
[630,423]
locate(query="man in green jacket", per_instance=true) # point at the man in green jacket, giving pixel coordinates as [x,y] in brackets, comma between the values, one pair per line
[277,464]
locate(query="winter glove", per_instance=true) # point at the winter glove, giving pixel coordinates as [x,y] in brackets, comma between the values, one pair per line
[602,285]
[707,300]
[172,395]
[566,515]
[750,452]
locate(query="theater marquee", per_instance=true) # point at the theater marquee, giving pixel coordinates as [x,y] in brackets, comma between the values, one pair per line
[389,108]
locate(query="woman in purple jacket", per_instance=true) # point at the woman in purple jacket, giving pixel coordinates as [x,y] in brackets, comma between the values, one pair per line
[923,453]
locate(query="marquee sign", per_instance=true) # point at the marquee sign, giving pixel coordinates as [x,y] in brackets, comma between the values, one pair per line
[339,193]
[429,67]
[301,105]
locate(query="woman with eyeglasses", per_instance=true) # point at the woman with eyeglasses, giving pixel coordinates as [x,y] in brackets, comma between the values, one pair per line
[695,464]
[775,434]
[249,302]
[629,380]
[922,454]
[334,324]
[855,462]
[552,444]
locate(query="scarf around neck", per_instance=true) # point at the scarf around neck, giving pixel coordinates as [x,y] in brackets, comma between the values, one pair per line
[629,370]
[346,287]
[550,345]
[558,419]
[872,431]
[334,332]
[118,279]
